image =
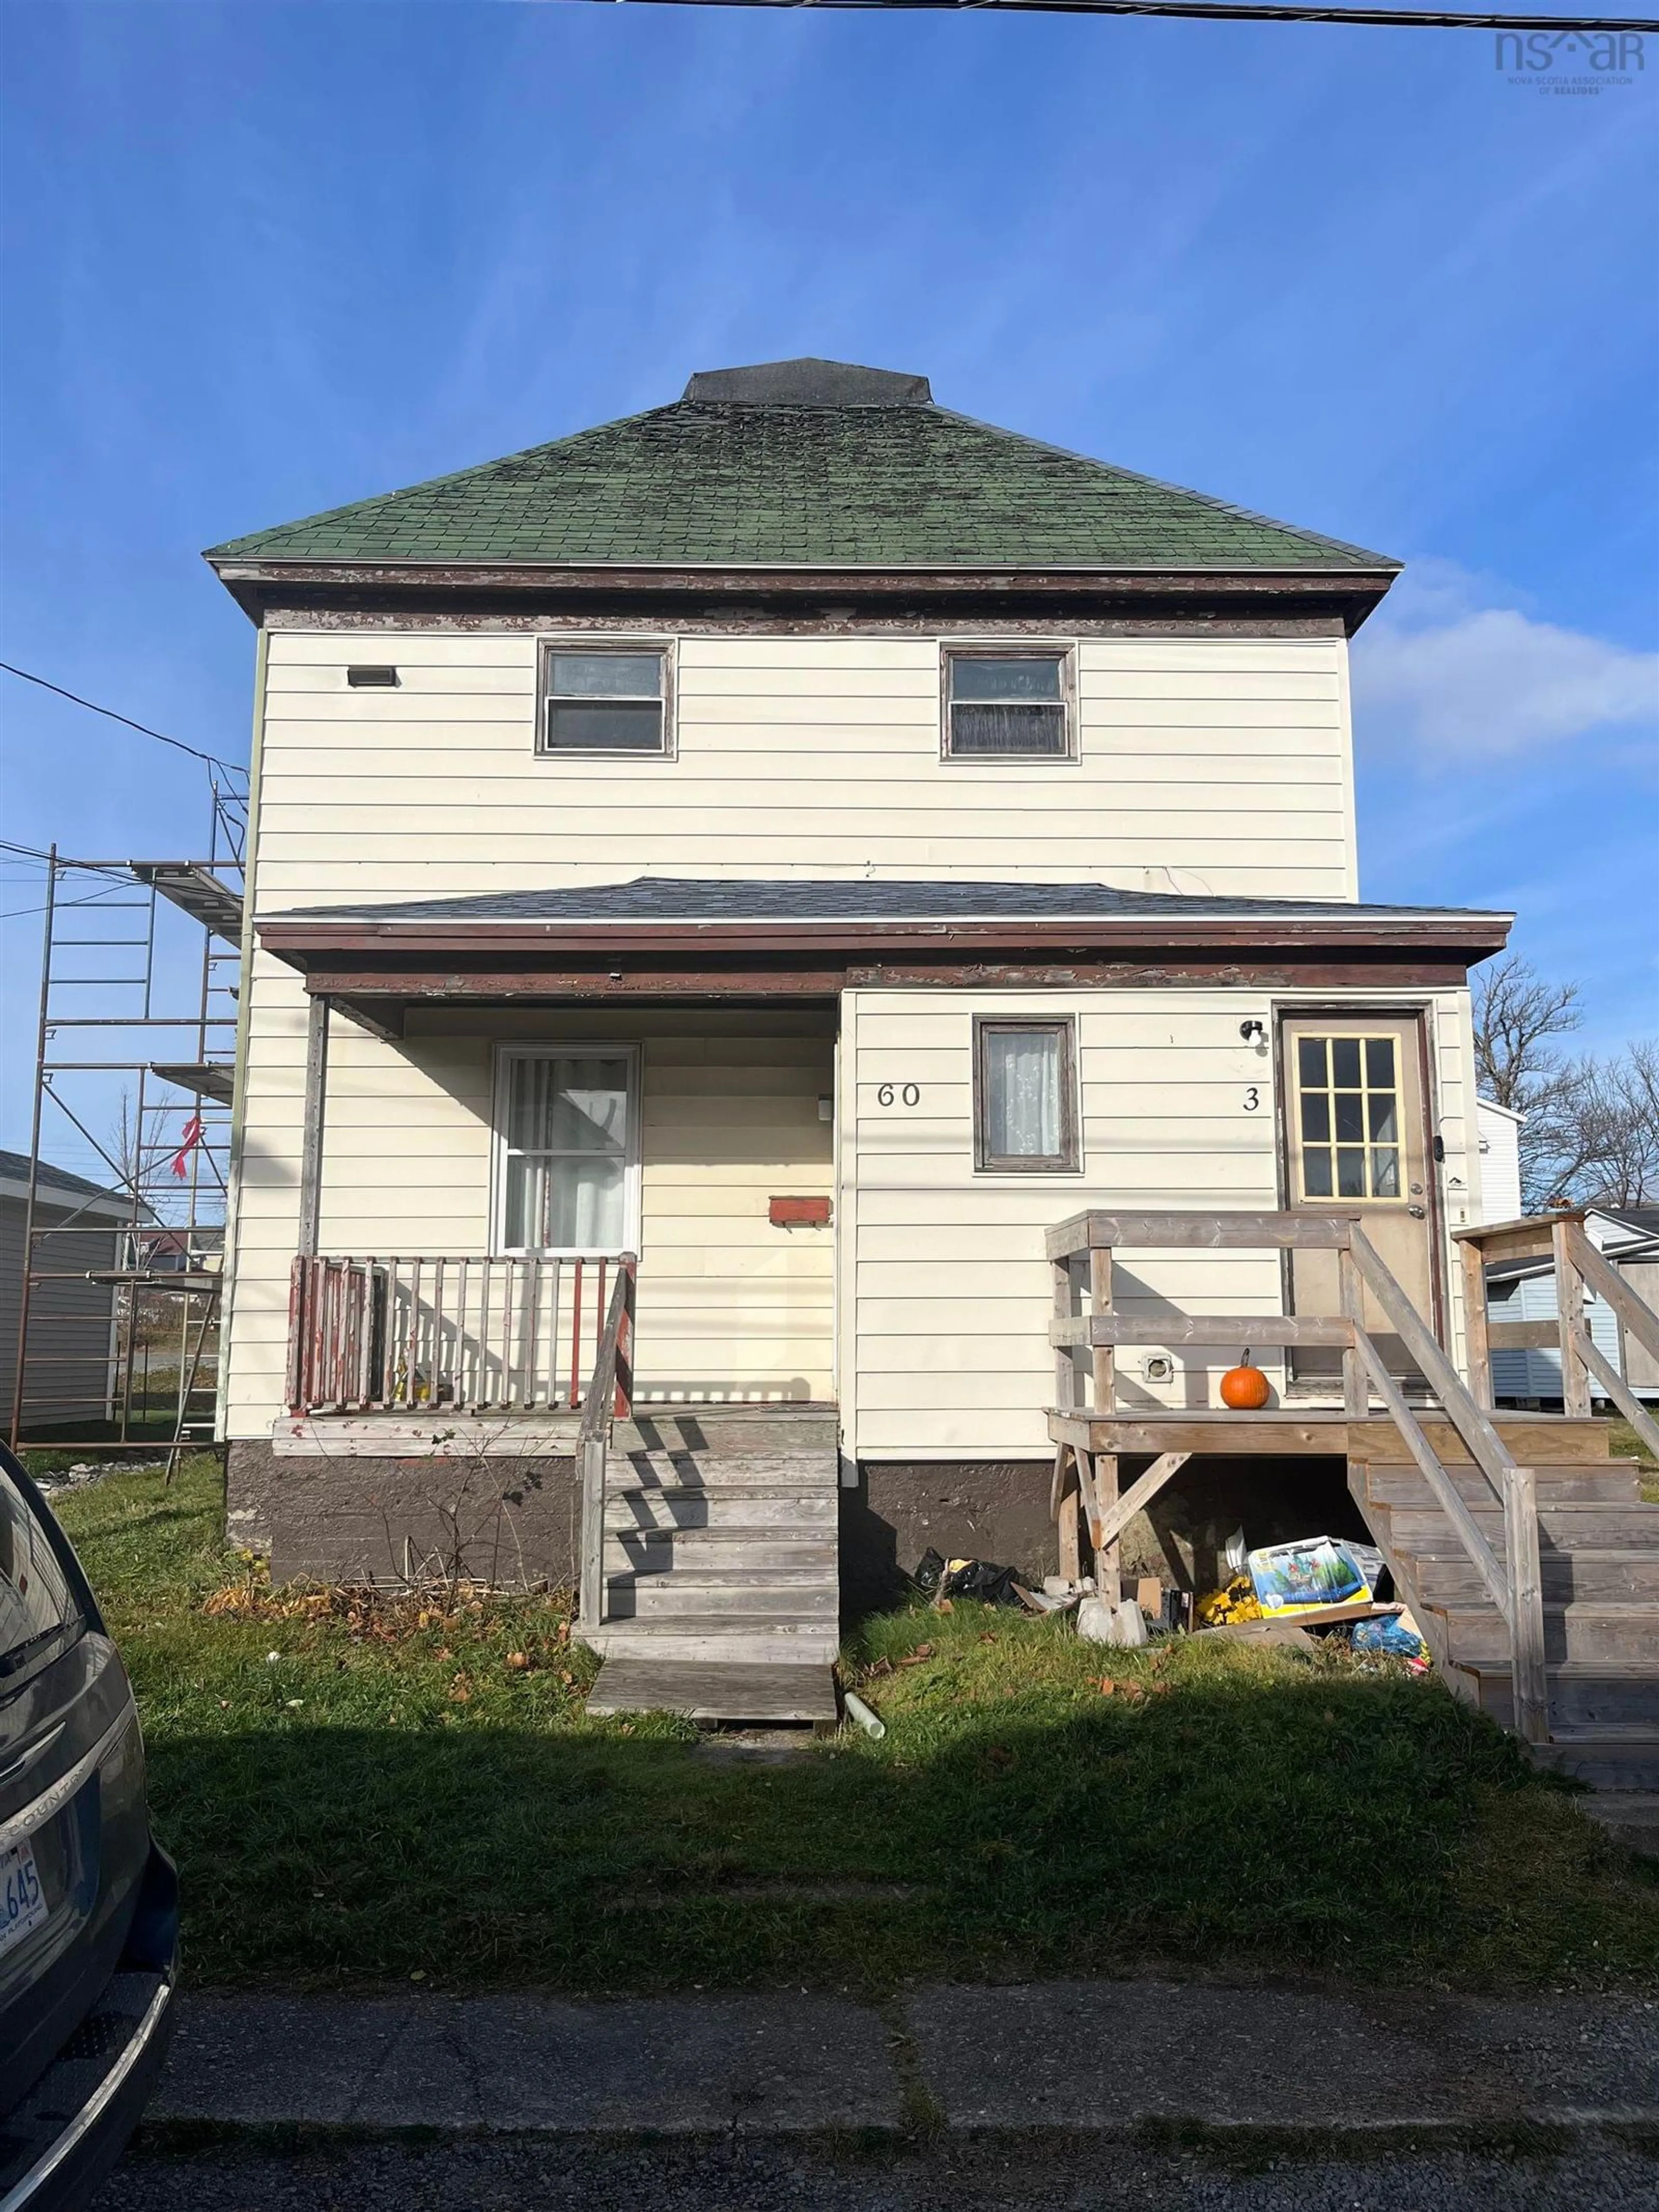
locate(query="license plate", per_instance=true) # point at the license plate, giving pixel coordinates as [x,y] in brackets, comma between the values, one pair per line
[22,1901]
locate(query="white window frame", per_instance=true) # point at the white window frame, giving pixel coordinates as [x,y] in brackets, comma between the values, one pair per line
[1011,649]
[575,1048]
[547,645]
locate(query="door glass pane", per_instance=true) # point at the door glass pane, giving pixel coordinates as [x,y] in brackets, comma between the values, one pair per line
[1350,1117]
[1385,1172]
[1350,1172]
[1385,1119]
[1345,1062]
[1316,1172]
[1310,1062]
[1379,1063]
[1316,1117]
[1022,1094]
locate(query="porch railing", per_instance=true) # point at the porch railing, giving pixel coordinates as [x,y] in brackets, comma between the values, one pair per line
[1579,1268]
[610,1394]
[1082,1252]
[459,1335]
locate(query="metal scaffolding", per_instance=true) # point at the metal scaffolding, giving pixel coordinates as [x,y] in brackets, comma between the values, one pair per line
[134,1083]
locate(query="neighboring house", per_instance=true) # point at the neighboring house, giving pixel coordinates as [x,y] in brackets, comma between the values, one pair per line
[1628,1236]
[1499,1139]
[71,1369]
[816,842]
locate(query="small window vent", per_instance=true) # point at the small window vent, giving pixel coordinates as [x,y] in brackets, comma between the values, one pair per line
[372,679]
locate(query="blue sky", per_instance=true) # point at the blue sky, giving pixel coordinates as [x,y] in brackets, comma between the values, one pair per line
[259,260]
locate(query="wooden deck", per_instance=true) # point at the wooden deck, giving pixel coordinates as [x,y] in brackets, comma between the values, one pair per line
[1535,1438]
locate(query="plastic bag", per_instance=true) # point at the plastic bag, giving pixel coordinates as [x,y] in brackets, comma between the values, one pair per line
[992,1585]
[1395,1635]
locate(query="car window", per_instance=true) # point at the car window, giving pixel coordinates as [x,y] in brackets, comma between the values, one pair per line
[36,1598]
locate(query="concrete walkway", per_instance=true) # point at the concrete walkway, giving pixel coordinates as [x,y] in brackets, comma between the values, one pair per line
[1066,2055]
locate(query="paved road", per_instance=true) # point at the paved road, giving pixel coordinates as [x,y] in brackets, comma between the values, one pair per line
[1061,2175]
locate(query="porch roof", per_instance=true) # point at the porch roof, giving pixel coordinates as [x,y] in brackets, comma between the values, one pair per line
[825,903]
[805,938]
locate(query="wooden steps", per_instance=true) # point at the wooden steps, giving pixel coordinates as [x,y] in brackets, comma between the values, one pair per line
[1599,1557]
[721,1592]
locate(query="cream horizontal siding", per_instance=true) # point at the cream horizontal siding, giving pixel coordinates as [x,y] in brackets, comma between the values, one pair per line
[729,1307]
[1225,760]
[945,1290]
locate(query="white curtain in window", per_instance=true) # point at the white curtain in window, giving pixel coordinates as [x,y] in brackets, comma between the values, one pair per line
[567,1141]
[1022,1081]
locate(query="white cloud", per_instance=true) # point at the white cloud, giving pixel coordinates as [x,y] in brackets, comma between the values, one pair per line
[1455,679]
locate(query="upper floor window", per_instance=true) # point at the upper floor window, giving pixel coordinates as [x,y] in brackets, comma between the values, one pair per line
[604,700]
[1002,704]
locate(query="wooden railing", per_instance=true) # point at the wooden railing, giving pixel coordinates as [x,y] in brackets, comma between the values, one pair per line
[1082,1253]
[610,1395]
[459,1335]
[1579,1268]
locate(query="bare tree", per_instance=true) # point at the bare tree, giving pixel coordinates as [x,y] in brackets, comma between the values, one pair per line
[1593,1139]
[1517,1015]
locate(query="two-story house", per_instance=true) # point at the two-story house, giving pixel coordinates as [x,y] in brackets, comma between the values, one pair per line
[815,844]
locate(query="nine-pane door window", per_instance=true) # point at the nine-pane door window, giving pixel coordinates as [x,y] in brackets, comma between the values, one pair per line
[1348,1099]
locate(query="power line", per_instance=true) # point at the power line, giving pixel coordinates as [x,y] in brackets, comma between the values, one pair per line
[143,728]
[1222,11]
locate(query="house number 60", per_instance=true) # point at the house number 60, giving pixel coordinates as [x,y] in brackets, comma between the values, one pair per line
[910,1095]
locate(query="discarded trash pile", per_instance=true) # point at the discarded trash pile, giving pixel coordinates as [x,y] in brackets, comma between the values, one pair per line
[1325,1583]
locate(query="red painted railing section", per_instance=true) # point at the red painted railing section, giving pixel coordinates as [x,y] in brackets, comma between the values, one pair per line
[467,1336]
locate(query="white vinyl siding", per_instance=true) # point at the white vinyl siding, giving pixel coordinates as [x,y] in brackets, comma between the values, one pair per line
[945,1288]
[1217,764]
[729,1307]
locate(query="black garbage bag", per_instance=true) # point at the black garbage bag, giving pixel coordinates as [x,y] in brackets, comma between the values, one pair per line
[936,1576]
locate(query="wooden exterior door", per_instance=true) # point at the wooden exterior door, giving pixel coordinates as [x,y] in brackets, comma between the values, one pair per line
[1357,1140]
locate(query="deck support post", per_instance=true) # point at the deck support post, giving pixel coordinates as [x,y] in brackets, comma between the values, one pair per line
[1103,1379]
[311,1153]
[1476,1333]
[1108,1557]
[1355,1385]
[1570,1307]
[1529,1673]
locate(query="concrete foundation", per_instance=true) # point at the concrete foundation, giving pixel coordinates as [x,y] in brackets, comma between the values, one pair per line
[517,1522]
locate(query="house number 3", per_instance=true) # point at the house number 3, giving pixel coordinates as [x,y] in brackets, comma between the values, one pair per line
[1252,1099]
[910,1095]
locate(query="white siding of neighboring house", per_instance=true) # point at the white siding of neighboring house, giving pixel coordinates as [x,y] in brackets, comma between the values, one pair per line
[945,1290]
[72,1341]
[1205,764]
[1537,1373]
[1500,1162]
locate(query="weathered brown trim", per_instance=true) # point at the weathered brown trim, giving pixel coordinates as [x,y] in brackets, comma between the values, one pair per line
[820,621]
[379,1000]
[1339,934]
[1346,595]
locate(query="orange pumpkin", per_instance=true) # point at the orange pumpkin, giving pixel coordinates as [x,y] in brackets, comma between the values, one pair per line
[1244,1388]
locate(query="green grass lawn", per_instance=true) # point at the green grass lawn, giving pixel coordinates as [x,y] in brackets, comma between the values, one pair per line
[1625,1444]
[359,1796]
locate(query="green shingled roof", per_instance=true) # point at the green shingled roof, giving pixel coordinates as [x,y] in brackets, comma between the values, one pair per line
[719,482]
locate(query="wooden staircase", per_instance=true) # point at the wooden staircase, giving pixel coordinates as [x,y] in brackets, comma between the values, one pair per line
[1599,1557]
[720,1596]
[1524,1551]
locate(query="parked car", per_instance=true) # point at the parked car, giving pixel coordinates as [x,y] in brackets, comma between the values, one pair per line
[88,1902]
